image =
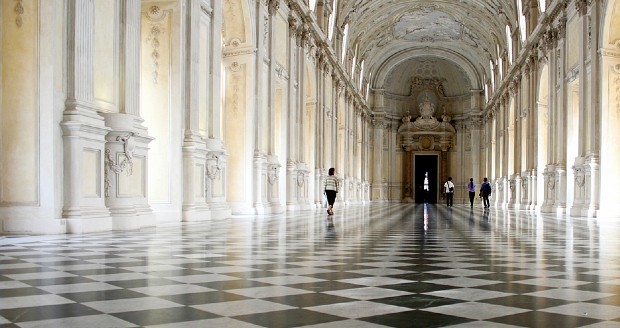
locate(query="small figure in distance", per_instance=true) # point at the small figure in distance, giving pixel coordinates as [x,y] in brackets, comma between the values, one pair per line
[449,187]
[331,190]
[471,186]
[485,192]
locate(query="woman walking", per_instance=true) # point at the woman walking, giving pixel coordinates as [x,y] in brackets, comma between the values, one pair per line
[331,189]
[471,186]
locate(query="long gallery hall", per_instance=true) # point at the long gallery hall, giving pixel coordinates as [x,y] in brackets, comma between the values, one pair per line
[397,265]
[165,163]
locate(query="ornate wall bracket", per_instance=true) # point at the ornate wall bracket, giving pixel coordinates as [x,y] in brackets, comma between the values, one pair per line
[126,165]
[213,168]
[273,173]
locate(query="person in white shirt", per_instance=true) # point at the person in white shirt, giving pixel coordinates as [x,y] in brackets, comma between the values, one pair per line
[331,189]
[449,187]
[426,187]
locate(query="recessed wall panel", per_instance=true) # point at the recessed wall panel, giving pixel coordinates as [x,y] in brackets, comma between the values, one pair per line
[19,111]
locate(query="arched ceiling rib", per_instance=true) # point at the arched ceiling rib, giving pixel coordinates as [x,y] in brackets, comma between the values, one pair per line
[386,29]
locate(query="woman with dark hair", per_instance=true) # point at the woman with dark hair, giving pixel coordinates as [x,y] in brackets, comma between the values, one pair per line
[331,189]
[471,186]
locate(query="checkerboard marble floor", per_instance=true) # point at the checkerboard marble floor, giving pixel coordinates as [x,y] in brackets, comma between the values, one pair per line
[390,265]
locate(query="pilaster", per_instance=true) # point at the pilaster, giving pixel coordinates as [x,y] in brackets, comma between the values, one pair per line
[84,130]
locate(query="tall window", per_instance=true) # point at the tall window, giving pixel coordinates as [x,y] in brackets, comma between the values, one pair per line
[332,20]
[345,39]
[312,5]
[361,75]
[509,44]
[522,23]
[492,74]
[543,5]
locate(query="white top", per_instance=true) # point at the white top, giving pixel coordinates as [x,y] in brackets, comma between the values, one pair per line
[447,185]
[426,184]
[331,183]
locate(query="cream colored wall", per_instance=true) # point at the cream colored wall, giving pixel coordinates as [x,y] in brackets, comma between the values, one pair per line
[204,79]
[234,22]
[572,42]
[235,127]
[282,42]
[156,102]
[104,61]
[19,113]
[613,25]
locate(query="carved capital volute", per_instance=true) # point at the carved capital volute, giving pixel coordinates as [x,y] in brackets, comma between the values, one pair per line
[273,7]
[582,7]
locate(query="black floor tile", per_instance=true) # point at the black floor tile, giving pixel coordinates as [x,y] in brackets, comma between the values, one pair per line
[102,295]
[288,318]
[47,312]
[164,316]
[415,319]
[538,319]
[203,298]
[526,302]
[308,300]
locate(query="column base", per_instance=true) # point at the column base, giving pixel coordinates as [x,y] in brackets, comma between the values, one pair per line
[196,213]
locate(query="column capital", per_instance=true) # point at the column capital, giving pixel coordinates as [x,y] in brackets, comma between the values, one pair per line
[273,7]
[582,7]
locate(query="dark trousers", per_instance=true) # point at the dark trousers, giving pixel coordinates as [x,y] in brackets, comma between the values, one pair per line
[449,198]
[472,195]
[485,201]
[331,196]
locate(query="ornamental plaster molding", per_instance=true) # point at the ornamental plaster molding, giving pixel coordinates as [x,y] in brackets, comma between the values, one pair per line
[206,8]
[126,165]
[273,173]
[273,7]
[213,166]
[156,15]
[580,175]
[19,11]
[582,7]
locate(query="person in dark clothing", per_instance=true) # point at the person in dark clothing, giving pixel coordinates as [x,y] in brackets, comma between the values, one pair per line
[485,192]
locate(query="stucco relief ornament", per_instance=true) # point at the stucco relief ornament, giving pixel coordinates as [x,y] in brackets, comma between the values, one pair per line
[126,165]
[580,177]
[301,178]
[213,167]
[272,174]
[19,10]
[551,181]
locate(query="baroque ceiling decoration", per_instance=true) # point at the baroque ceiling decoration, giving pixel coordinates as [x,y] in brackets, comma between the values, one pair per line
[471,30]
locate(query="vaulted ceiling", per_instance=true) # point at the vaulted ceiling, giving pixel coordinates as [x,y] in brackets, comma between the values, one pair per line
[458,36]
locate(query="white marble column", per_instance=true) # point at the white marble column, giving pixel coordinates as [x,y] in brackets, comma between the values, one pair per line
[579,195]
[84,130]
[292,201]
[549,172]
[379,185]
[195,207]
[217,154]
[599,62]
[560,161]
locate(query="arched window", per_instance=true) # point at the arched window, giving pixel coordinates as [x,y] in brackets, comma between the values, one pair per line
[522,22]
[312,5]
[509,44]
[332,21]
[361,75]
[492,74]
[345,39]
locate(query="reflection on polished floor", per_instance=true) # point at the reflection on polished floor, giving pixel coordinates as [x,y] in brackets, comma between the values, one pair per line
[389,265]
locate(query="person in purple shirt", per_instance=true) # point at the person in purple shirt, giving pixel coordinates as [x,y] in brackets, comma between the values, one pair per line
[471,186]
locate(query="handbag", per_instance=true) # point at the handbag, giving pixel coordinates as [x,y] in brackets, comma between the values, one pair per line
[324,200]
